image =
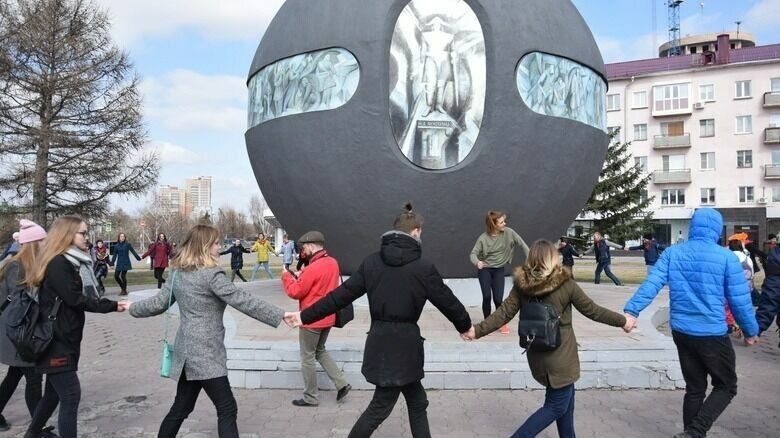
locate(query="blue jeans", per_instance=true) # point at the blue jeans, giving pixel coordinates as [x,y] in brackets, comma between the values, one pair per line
[257,268]
[558,407]
[605,267]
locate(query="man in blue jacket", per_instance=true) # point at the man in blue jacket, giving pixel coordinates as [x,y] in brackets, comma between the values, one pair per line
[652,250]
[703,277]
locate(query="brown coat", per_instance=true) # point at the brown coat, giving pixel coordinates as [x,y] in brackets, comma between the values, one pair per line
[560,367]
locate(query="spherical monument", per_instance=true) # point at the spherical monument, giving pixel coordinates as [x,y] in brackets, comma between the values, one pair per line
[460,106]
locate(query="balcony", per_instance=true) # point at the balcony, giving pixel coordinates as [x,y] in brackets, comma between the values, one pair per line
[772,171]
[672,141]
[772,99]
[772,135]
[676,176]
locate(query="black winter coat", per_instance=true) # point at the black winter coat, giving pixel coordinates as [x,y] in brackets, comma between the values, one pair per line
[568,252]
[63,281]
[236,256]
[398,282]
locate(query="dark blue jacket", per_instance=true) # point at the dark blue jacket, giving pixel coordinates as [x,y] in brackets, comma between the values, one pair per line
[601,249]
[236,256]
[767,308]
[702,277]
[651,250]
[568,252]
[121,257]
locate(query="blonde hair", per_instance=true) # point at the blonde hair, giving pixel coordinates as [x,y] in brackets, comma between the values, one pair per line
[58,240]
[543,257]
[195,252]
[27,258]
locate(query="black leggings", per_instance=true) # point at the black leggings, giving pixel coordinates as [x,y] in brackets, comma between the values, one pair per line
[187,391]
[121,279]
[491,279]
[63,389]
[32,390]
[237,273]
[158,274]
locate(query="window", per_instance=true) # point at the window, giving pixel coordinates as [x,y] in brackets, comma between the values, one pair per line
[640,99]
[707,160]
[744,159]
[673,162]
[614,132]
[707,128]
[613,102]
[707,93]
[776,158]
[671,97]
[742,90]
[708,196]
[776,194]
[774,120]
[775,85]
[746,194]
[640,132]
[643,196]
[693,49]
[744,125]
[673,129]
[641,162]
[673,197]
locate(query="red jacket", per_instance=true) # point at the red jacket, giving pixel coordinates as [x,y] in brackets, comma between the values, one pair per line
[160,252]
[320,278]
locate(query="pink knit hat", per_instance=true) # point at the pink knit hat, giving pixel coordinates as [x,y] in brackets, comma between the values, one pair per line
[29,231]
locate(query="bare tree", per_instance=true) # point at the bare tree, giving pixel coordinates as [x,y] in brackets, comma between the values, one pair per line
[232,223]
[161,218]
[257,206]
[71,129]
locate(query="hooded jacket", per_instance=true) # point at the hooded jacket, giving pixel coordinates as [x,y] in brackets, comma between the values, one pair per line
[160,252]
[702,277]
[560,367]
[398,282]
[236,256]
[262,248]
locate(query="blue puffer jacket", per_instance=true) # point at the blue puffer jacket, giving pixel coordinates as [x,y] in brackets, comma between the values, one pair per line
[702,276]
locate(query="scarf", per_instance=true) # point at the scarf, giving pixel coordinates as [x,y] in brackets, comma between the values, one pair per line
[83,263]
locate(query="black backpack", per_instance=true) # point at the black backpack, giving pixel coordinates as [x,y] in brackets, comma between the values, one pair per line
[28,327]
[539,327]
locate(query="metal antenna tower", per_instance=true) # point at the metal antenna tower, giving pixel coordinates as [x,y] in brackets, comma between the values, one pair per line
[674,27]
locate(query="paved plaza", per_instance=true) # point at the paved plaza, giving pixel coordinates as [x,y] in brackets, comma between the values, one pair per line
[122,396]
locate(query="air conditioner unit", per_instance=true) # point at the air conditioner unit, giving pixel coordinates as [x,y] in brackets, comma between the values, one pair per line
[762,200]
[698,105]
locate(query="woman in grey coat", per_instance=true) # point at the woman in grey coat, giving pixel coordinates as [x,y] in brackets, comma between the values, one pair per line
[203,291]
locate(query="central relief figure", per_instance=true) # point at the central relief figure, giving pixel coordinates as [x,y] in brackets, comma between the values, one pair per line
[437,82]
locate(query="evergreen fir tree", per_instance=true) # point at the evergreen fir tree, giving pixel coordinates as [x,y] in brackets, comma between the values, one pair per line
[617,200]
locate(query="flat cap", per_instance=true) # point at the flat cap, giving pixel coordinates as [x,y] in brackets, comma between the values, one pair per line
[312,237]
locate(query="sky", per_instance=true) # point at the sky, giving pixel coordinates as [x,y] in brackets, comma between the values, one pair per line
[193,57]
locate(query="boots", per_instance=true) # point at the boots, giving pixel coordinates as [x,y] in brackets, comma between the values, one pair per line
[123,293]
[47,432]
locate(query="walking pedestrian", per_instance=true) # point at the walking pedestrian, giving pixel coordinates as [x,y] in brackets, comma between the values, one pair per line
[491,253]
[12,282]
[568,252]
[601,247]
[121,262]
[769,303]
[66,289]
[12,248]
[102,261]
[202,291]
[703,277]
[160,251]
[262,247]
[543,279]
[236,252]
[398,282]
[287,251]
[321,277]
[652,250]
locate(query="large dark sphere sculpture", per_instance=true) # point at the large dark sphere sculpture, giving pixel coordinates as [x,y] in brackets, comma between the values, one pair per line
[460,106]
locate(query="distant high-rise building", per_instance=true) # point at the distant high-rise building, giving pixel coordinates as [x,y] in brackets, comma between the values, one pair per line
[173,200]
[199,194]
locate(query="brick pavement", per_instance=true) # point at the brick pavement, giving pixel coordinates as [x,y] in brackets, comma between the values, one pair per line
[122,396]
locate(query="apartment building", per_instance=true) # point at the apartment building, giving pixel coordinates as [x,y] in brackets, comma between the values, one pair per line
[706,126]
[199,194]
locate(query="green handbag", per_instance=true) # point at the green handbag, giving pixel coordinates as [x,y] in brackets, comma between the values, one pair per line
[167,353]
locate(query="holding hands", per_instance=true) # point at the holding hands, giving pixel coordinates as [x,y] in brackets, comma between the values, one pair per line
[751,341]
[631,323]
[123,305]
[293,319]
[469,335]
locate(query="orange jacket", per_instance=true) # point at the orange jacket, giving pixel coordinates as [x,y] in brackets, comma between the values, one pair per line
[318,279]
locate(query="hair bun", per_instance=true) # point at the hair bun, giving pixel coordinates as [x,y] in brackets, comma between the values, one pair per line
[408,207]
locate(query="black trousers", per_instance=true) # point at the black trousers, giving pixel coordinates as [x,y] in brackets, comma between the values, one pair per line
[158,274]
[187,391]
[491,281]
[381,407]
[702,356]
[237,273]
[121,279]
[65,389]
[32,389]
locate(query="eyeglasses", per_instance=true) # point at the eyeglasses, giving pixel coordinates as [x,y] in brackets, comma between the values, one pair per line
[83,233]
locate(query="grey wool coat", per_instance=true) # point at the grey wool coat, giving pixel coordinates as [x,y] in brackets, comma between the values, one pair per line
[202,296]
